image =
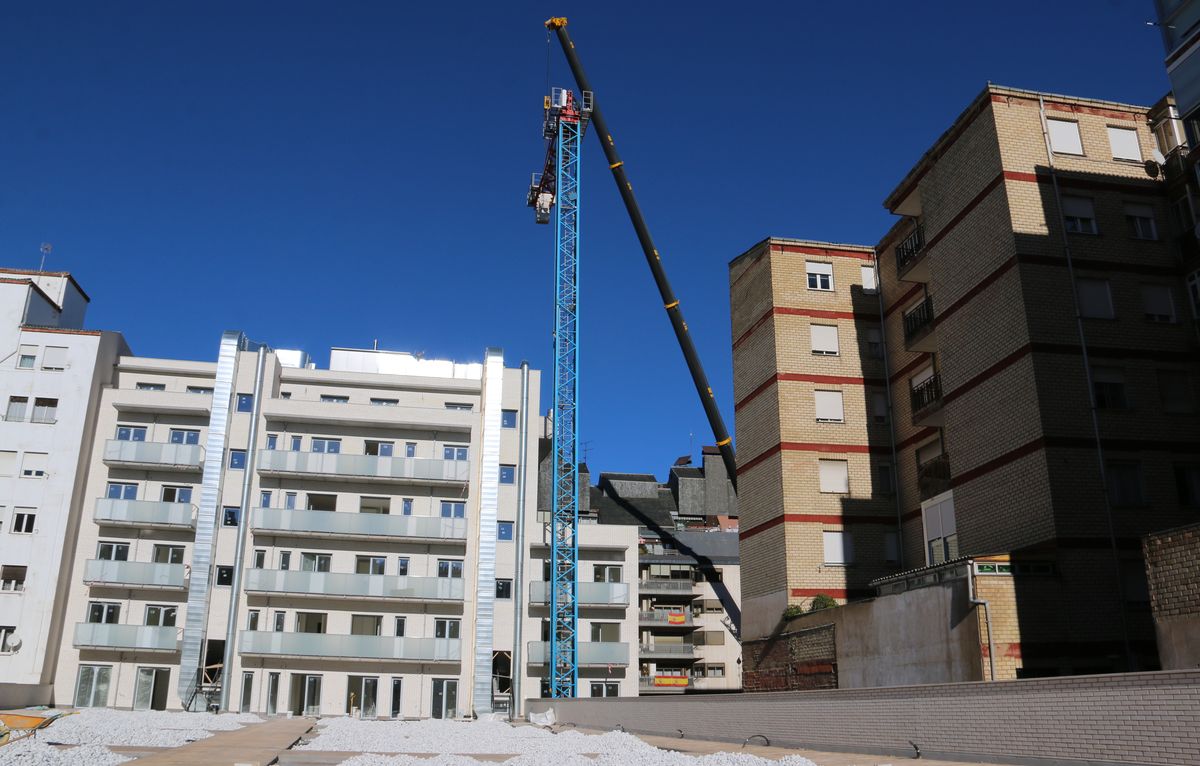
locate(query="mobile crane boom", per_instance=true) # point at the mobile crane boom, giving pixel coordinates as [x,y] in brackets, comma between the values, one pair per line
[724,443]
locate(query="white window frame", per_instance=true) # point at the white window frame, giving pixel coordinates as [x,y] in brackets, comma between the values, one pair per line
[1123,150]
[1141,220]
[1064,137]
[824,276]
[838,545]
[828,397]
[828,483]
[820,335]
[1074,218]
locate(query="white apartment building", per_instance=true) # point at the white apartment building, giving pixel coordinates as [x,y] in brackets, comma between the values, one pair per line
[50,373]
[272,537]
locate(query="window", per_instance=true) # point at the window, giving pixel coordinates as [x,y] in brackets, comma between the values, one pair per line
[245,402]
[941,531]
[874,338]
[1079,215]
[106,551]
[891,548]
[252,618]
[285,394]
[1125,483]
[380,449]
[335,399]
[1108,386]
[151,387]
[829,406]
[402,566]
[26,357]
[314,562]
[317,501]
[330,446]
[1095,299]
[17,405]
[1064,137]
[8,463]
[369,565]
[103,613]
[285,560]
[884,483]
[168,554]
[289,501]
[834,475]
[264,498]
[452,509]
[839,548]
[231,515]
[1141,221]
[504,531]
[224,576]
[272,441]
[121,491]
[605,689]
[452,568]
[446,628]
[184,436]
[279,619]
[410,449]
[131,433]
[460,406]
[824,339]
[1124,143]
[1157,303]
[1176,391]
[406,506]
[452,452]
[379,505]
[23,522]
[508,474]
[504,589]
[400,625]
[869,284]
[54,358]
[508,418]
[260,558]
[33,465]
[606,573]
[1187,484]
[296,443]
[237,459]
[366,625]
[879,407]
[820,275]
[160,616]
[606,632]
[199,390]
[12,578]
[177,494]
[91,689]
[1193,288]
[7,633]
[384,402]
[44,410]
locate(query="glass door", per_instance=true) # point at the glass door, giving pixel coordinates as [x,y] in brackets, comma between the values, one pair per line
[247,688]
[91,690]
[272,693]
[445,698]
[370,690]
[312,695]
[397,685]
[150,689]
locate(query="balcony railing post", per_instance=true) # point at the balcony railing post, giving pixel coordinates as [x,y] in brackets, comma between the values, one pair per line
[910,247]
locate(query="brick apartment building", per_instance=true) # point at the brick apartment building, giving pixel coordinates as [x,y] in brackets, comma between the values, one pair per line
[998,446]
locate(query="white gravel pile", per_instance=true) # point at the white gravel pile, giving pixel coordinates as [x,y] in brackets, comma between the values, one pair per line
[143,728]
[31,752]
[531,746]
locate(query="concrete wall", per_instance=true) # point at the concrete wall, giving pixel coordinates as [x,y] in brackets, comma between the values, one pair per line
[14,696]
[1135,718]
[1173,574]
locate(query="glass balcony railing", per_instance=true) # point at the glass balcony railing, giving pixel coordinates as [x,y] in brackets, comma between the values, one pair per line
[280,521]
[343,585]
[664,683]
[334,646]
[161,455]
[588,594]
[590,653]
[135,574]
[665,586]
[145,638]
[409,470]
[667,651]
[665,618]
[144,514]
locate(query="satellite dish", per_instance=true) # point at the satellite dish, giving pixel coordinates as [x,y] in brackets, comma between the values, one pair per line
[14,641]
[1152,168]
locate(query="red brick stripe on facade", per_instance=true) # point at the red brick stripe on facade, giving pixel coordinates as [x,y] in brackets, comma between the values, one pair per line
[990,372]
[1131,186]
[813,447]
[957,219]
[800,377]
[919,436]
[967,297]
[814,518]
[903,300]
[921,359]
[998,462]
[1091,263]
[829,252]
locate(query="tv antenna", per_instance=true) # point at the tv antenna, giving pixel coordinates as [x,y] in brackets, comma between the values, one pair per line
[45,249]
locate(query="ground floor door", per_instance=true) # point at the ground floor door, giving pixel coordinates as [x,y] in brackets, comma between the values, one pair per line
[247,690]
[91,690]
[305,696]
[362,693]
[397,685]
[150,689]
[445,698]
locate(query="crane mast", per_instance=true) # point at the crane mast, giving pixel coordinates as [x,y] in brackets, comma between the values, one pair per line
[557,190]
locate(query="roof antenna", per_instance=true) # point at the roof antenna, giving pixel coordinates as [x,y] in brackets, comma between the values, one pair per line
[45,248]
[376,347]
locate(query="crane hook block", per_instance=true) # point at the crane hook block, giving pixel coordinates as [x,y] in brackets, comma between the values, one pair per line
[556,23]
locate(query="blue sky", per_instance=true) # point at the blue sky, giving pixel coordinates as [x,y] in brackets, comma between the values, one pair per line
[331,173]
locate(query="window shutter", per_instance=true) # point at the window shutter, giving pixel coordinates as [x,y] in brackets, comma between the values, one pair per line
[1094,298]
[1139,211]
[819,268]
[1157,303]
[1078,207]
[835,551]
[1064,136]
[1124,142]
[879,406]
[824,339]
[927,452]
[829,405]
[921,376]
[834,475]
[868,278]
[1108,375]
[54,358]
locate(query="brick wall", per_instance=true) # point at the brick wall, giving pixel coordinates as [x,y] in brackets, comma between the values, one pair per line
[1128,719]
[800,659]
[1173,574]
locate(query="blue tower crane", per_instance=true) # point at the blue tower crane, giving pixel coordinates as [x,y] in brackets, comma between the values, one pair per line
[556,190]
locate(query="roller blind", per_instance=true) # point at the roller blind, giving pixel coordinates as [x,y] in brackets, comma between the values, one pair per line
[54,358]
[1157,303]
[834,475]
[819,268]
[824,339]
[868,278]
[1064,136]
[829,405]
[1094,298]
[1078,207]
[839,548]
[1124,142]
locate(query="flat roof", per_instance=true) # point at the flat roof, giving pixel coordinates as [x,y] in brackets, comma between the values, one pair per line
[815,243]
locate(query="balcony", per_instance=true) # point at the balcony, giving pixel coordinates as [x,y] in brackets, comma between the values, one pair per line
[357,526]
[129,401]
[658,651]
[933,476]
[663,684]
[159,456]
[386,419]
[926,399]
[126,638]
[340,647]
[371,468]
[662,586]
[144,514]
[920,328]
[353,586]
[588,593]
[911,263]
[591,653]
[665,618]
[134,574]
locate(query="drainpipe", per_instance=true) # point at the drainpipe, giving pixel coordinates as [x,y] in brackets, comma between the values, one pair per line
[243,524]
[519,575]
[1087,372]
[987,617]
[887,383]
